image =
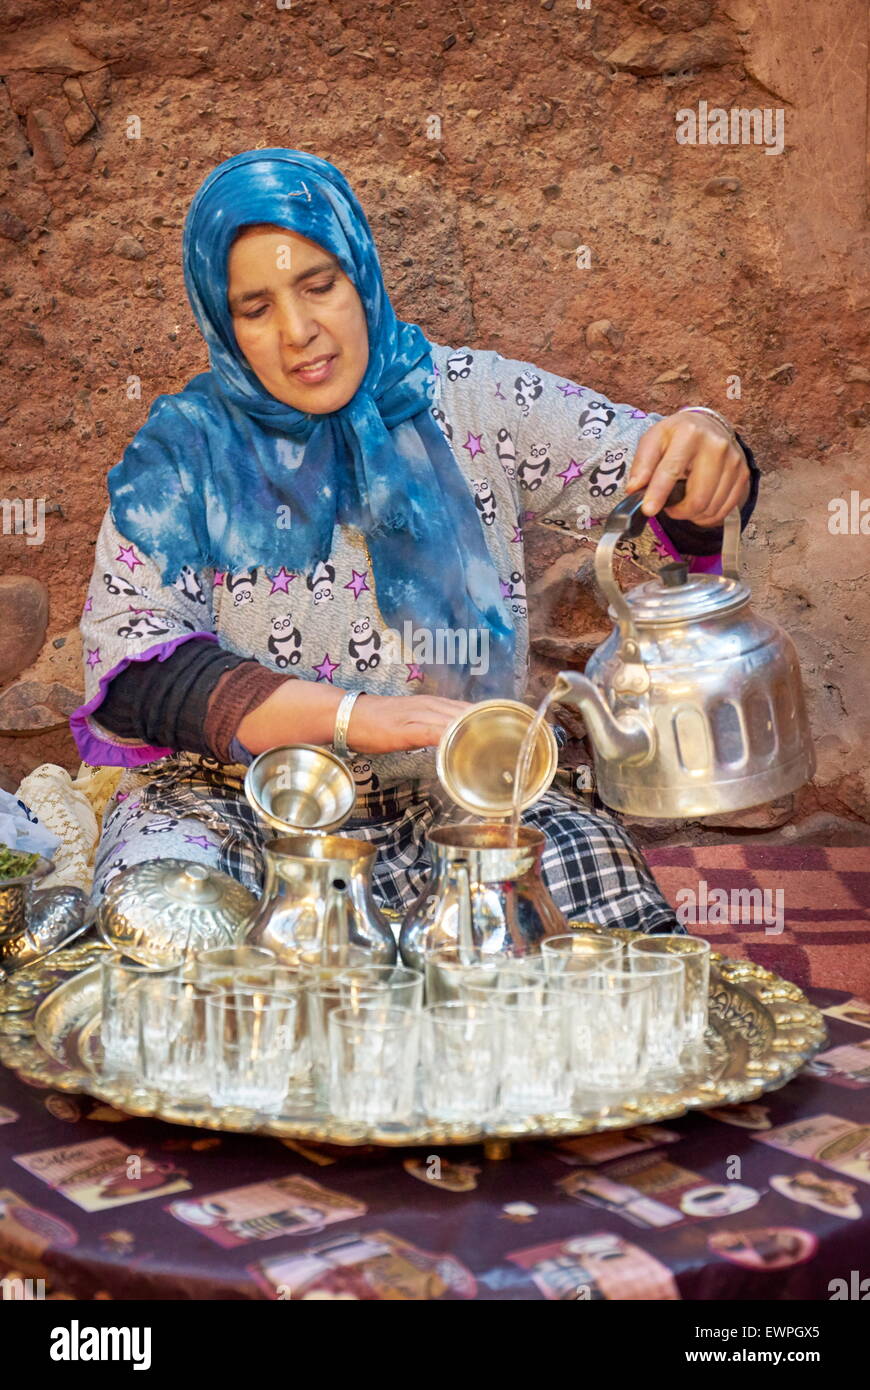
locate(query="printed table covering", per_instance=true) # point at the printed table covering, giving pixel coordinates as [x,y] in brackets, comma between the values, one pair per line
[769,1200]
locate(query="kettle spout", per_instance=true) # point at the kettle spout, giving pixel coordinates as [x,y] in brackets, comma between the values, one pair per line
[627,739]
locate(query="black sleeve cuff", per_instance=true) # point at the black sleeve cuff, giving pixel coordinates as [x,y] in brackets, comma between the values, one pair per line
[165,703]
[707,540]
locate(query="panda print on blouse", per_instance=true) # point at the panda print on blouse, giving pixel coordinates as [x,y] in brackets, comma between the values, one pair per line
[532,446]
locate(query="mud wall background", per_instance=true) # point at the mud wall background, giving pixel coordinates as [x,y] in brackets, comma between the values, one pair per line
[732,274]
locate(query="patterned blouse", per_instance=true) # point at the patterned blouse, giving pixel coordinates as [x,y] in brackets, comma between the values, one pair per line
[533,446]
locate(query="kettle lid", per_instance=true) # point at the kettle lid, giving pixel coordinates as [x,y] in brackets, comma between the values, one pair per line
[677,596]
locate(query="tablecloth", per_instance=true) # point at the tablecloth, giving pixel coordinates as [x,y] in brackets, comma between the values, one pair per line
[768,1200]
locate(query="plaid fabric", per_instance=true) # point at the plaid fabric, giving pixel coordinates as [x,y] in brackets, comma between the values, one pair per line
[591,865]
[802,911]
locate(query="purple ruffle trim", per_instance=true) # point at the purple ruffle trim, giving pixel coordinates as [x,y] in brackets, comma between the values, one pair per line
[698,564]
[99,752]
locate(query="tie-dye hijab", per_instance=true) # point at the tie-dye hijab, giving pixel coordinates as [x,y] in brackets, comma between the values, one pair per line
[214,467]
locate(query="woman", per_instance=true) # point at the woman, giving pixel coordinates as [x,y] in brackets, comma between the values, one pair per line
[337,506]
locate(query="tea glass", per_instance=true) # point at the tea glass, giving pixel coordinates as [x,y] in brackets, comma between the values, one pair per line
[578,951]
[460,1054]
[251,1035]
[373,1052]
[611,1021]
[534,1024]
[123,983]
[694,953]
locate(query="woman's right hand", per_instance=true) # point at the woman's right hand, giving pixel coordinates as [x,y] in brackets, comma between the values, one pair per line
[304,712]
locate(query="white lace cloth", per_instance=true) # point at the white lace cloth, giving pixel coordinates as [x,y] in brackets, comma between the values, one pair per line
[72,810]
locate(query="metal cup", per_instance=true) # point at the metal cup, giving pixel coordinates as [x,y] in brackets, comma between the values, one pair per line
[477,758]
[301,787]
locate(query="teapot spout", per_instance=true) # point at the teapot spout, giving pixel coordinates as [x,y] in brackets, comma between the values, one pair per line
[627,739]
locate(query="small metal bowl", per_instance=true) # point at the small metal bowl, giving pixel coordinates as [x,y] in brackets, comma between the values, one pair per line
[477,758]
[301,787]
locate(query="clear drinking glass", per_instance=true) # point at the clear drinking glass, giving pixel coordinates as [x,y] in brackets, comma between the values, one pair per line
[251,1034]
[667,1030]
[578,951]
[610,1031]
[401,987]
[694,952]
[535,1028]
[121,1021]
[373,1052]
[342,990]
[450,969]
[223,965]
[174,1054]
[460,1052]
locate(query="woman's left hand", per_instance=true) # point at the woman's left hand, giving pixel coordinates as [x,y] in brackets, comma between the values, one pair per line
[701,450]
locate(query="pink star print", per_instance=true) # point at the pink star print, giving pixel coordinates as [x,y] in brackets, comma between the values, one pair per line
[280,582]
[128,556]
[94,658]
[569,388]
[218,579]
[198,840]
[506,589]
[573,471]
[499,394]
[327,669]
[121,796]
[89,604]
[414,672]
[517,536]
[149,611]
[473,444]
[528,516]
[358,583]
[638,415]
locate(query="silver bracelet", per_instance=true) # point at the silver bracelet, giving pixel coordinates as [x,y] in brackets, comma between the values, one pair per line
[342,719]
[705,410]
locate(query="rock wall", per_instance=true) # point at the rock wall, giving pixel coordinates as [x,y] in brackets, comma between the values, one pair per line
[520,166]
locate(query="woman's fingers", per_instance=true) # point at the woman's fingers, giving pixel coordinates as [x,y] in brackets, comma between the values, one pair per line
[698,449]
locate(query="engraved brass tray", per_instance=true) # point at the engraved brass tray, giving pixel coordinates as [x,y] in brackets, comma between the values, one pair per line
[762,1030]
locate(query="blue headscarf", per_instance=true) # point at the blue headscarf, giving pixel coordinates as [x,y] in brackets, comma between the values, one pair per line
[207,476]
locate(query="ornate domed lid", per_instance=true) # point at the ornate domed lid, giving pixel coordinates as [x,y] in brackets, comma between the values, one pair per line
[161,910]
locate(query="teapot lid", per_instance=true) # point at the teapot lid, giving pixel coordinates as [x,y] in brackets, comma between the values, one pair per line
[677,596]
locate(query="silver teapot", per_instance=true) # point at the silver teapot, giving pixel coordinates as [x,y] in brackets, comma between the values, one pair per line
[694,703]
[317,904]
[486,891]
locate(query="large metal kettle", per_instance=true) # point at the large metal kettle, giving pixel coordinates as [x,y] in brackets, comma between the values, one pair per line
[694,704]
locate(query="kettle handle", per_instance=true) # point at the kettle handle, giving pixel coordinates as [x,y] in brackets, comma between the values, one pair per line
[627,520]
